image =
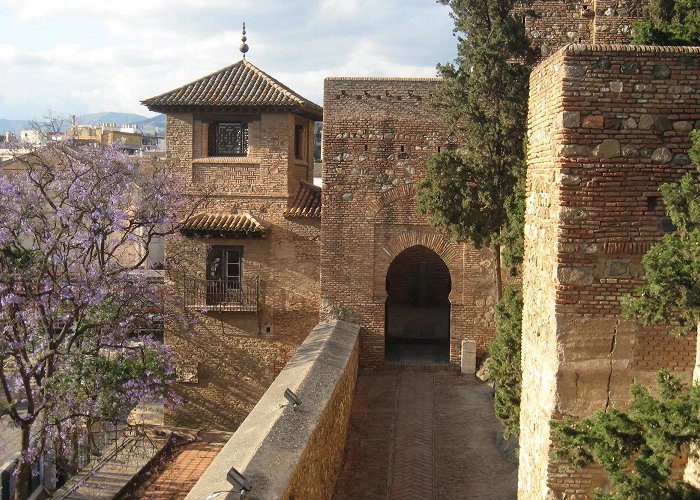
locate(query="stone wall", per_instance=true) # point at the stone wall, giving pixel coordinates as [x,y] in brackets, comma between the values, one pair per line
[295,453]
[229,359]
[378,135]
[607,126]
[553,23]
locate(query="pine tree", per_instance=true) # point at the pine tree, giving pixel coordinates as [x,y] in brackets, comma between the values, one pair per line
[471,192]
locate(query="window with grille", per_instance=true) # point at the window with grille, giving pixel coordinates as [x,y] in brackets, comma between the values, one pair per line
[228,139]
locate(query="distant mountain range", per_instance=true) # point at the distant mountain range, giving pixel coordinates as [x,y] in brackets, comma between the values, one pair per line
[93,119]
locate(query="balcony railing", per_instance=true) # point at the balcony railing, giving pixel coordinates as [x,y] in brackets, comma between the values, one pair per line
[222,295]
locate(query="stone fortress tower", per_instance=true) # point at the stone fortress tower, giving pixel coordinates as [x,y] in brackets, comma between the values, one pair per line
[246,266]
[608,123]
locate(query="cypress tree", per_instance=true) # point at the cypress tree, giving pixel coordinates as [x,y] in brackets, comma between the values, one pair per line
[471,192]
[504,365]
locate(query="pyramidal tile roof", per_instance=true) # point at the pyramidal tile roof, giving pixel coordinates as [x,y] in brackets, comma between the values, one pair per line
[241,85]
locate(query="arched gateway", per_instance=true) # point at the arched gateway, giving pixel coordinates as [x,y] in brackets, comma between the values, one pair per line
[417,320]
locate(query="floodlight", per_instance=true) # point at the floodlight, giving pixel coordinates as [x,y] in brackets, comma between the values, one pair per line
[292,398]
[239,482]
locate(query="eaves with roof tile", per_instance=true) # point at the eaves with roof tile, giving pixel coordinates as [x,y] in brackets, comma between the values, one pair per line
[223,224]
[306,203]
[239,86]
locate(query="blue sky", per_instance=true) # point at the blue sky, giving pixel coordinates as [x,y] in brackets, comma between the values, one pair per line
[85,56]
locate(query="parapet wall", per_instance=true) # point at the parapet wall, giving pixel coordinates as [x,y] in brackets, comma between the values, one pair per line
[607,125]
[295,453]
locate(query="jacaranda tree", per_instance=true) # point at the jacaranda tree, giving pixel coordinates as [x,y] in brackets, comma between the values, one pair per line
[75,228]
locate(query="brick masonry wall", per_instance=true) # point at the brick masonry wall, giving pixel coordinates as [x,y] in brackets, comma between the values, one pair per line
[378,135]
[231,357]
[608,125]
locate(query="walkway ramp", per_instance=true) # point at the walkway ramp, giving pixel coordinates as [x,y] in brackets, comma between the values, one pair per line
[425,435]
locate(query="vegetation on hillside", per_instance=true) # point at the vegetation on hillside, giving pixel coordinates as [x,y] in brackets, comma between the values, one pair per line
[669,22]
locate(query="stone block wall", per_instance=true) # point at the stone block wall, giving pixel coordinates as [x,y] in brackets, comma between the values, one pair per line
[607,126]
[321,464]
[378,135]
[230,358]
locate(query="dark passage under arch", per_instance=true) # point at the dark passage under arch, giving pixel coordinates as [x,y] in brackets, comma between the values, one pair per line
[417,325]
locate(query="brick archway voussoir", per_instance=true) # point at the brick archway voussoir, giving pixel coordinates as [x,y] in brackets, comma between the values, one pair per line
[391,196]
[436,242]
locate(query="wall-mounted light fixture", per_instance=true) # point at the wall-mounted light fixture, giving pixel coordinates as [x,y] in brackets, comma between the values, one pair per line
[292,398]
[239,482]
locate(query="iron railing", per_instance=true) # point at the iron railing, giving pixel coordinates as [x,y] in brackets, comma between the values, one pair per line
[222,295]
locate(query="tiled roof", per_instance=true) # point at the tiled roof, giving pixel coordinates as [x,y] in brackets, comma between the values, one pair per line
[240,85]
[231,224]
[307,202]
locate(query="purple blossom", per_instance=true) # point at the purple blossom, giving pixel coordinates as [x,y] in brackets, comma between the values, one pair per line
[72,309]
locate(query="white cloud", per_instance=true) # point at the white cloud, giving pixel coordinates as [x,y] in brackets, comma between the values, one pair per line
[128,50]
[8,53]
[37,9]
[339,8]
[363,59]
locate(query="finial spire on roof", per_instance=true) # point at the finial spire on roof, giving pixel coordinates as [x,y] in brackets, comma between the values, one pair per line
[244,46]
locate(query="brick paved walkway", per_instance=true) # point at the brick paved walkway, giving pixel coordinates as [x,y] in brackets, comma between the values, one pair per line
[177,476]
[424,436]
